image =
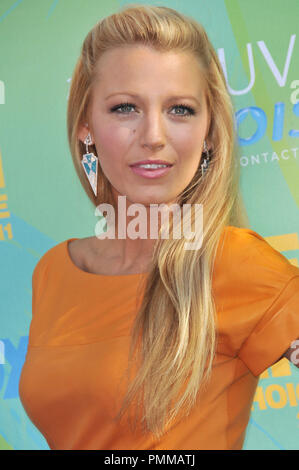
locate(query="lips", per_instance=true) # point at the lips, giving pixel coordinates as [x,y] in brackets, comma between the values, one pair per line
[151,173]
[151,162]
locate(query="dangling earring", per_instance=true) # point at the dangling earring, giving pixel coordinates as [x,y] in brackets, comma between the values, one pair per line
[206,160]
[90,165]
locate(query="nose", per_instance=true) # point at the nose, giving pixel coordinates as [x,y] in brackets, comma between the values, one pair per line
[152,132]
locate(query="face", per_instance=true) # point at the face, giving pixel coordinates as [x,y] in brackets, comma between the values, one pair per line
[165,118]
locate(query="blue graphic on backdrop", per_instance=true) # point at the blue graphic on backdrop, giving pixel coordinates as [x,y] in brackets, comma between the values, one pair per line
[260,117]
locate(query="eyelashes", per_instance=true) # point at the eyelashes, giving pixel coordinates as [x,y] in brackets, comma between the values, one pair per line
[191,111]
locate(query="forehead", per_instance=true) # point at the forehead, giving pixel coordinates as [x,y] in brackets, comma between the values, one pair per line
[143,67]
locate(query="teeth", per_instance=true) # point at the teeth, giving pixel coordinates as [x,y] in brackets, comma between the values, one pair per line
[152,166]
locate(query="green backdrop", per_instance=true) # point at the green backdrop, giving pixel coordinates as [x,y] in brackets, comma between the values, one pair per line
[42,202]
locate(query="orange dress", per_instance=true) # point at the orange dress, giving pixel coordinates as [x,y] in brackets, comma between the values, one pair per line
[70,384]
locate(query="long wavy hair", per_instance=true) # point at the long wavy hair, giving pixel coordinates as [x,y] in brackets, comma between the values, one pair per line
[175,329]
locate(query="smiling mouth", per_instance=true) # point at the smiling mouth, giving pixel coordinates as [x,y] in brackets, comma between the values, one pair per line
[151,166]
[140,170]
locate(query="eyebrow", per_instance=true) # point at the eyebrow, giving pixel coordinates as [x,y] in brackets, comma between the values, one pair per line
[181,97]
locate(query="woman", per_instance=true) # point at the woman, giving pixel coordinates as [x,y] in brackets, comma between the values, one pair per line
[139,343]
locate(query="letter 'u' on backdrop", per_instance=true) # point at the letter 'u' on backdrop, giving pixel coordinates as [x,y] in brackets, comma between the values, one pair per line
[42,201]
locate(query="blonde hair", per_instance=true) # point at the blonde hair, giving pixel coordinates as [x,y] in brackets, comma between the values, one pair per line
[175,327]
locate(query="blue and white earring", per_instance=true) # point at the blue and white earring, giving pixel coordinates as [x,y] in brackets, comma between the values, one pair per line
[206,160]
[90,165]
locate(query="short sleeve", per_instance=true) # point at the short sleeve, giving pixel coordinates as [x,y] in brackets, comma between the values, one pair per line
[258,300]
[275,331]
[48,293]
[273,282]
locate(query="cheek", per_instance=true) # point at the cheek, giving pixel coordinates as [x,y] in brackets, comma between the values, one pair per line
[112,141]
[187,145]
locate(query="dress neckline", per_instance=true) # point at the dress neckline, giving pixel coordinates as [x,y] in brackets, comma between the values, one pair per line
[95,275]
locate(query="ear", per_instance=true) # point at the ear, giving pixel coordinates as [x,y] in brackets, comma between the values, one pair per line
[209,146]
[83,131]
[209,143]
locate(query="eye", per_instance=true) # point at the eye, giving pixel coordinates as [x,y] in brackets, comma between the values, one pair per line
[190,110]
[122,106]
